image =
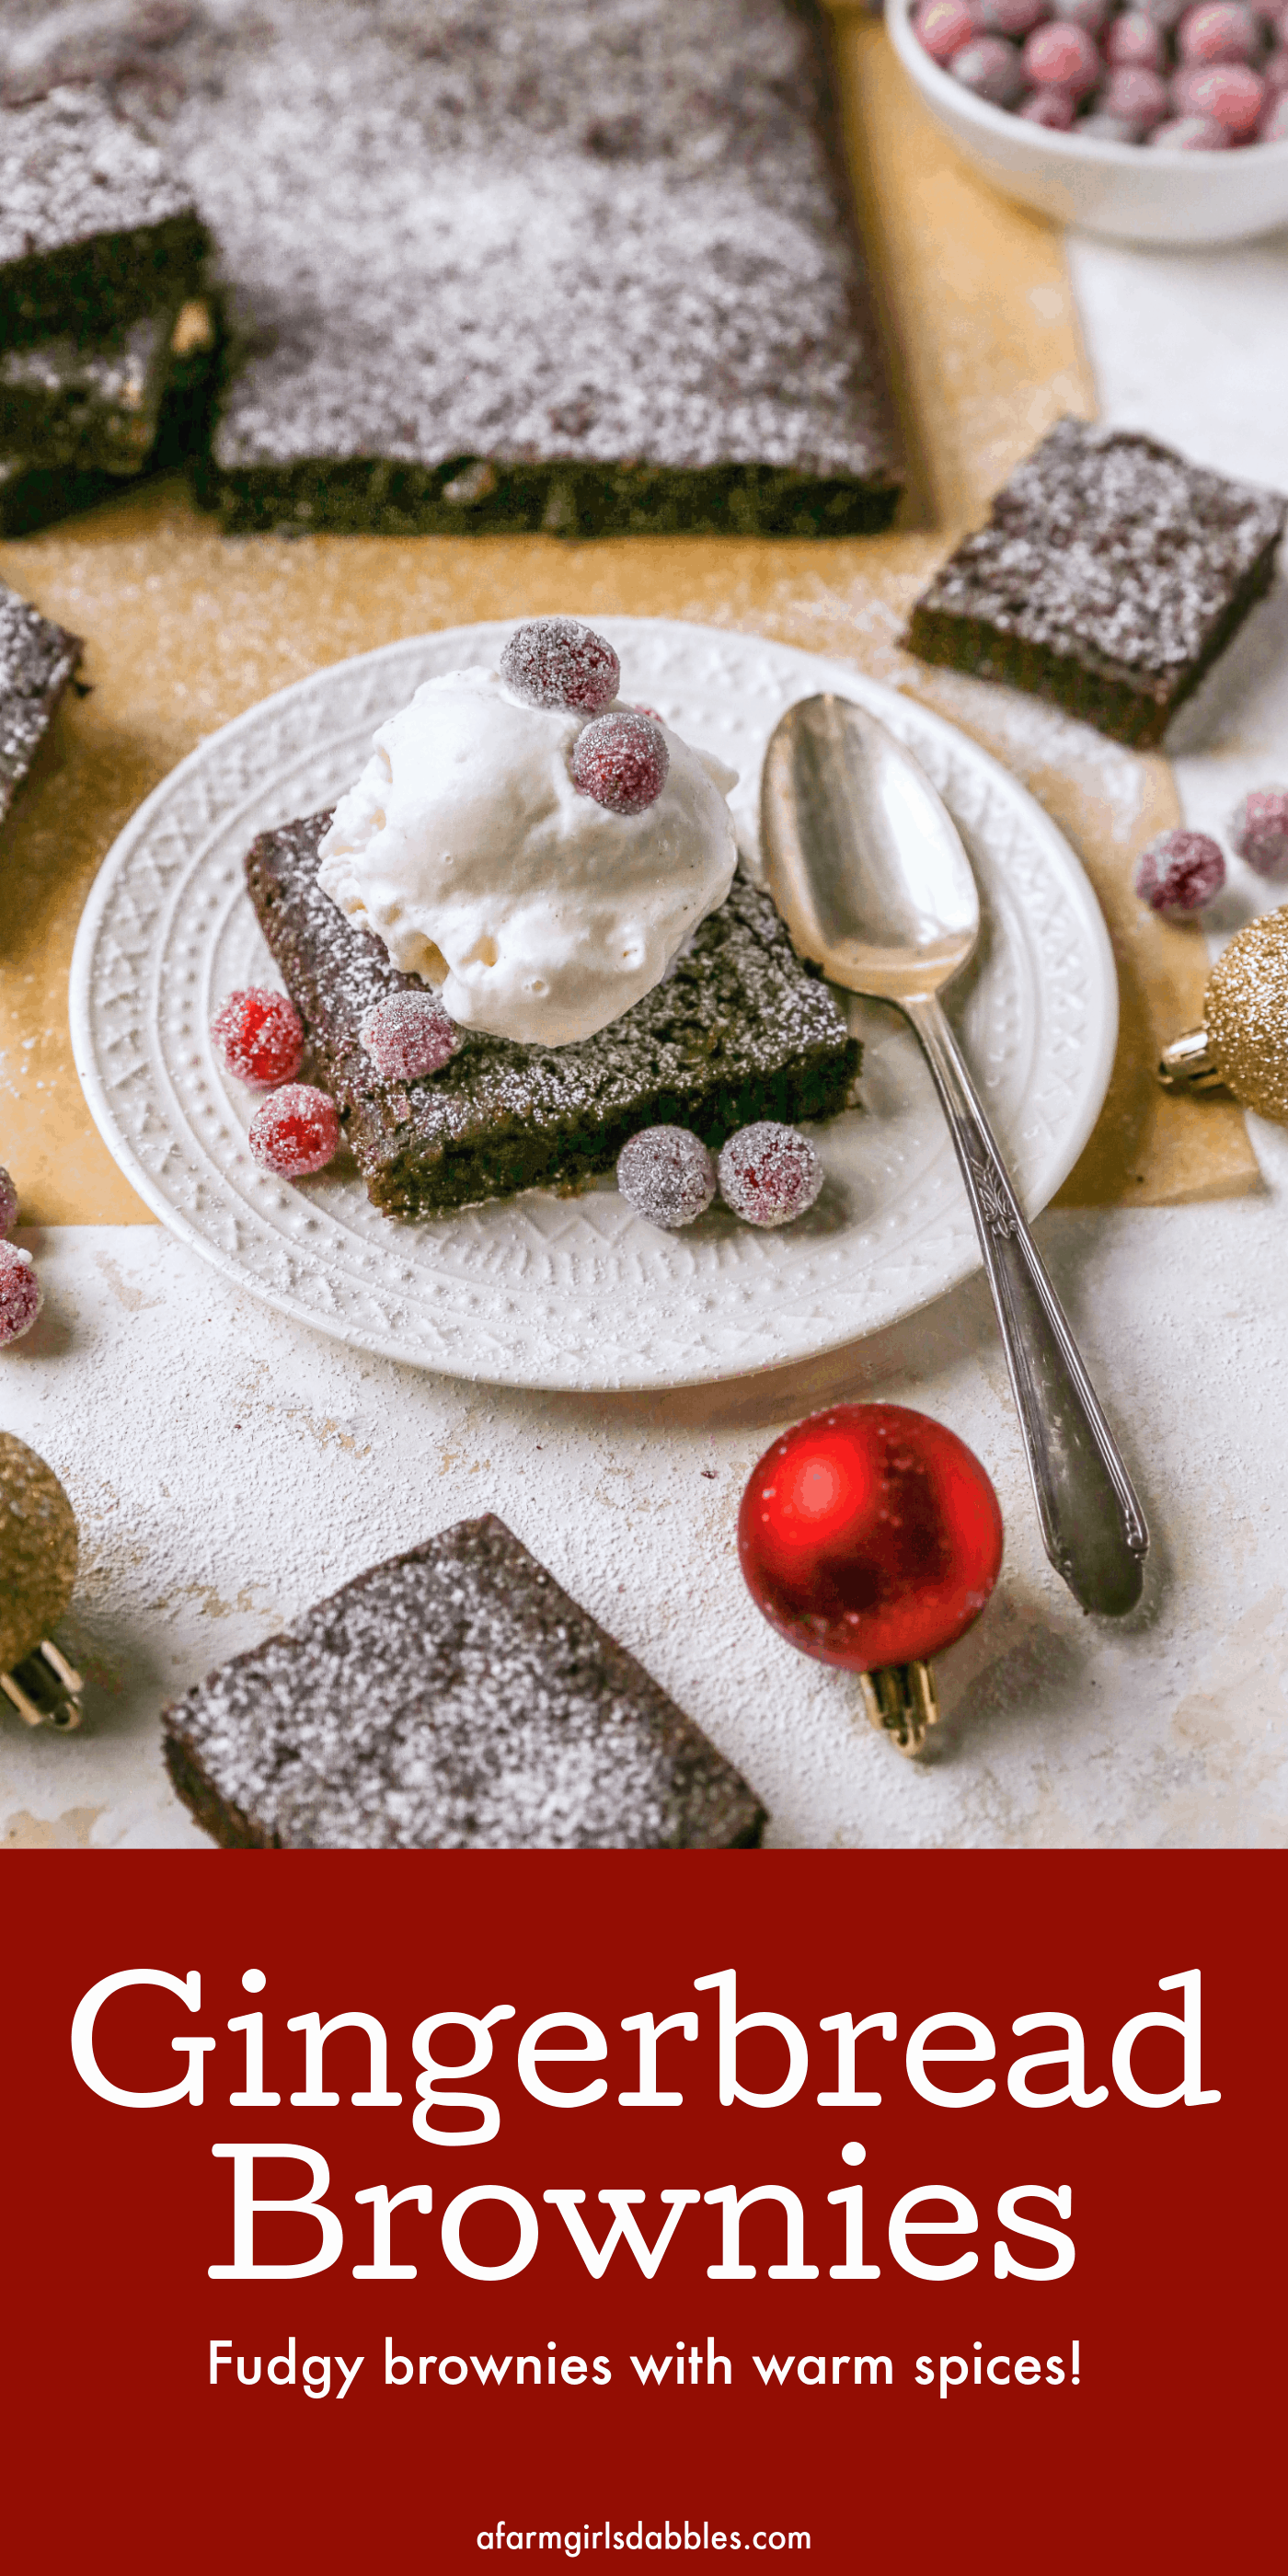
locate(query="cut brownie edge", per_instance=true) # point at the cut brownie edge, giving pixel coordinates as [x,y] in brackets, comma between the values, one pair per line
[454,1697]
[224,1823]
[366,495]
[739,1030]
[1131,713]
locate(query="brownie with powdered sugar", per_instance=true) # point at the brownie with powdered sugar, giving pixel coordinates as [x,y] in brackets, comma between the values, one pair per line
[94,226]
[738,1030]
[1110,576]
[573,264]
[37,660]
[452,1699]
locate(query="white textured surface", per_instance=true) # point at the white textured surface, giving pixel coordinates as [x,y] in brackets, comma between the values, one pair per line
[229,1467]
[548,1291]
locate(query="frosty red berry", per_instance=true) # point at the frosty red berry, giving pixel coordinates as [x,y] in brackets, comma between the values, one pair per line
[258,1036]
[1180,872]
[20,1293]
[769,1174]
[622,761]
[666,1175]
[558,662]
[409,1034]
[295,1131]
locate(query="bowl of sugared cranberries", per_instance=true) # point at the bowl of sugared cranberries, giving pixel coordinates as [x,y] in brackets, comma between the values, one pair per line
[1149,120]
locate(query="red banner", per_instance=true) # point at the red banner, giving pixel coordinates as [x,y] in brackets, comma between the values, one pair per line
[621,2207]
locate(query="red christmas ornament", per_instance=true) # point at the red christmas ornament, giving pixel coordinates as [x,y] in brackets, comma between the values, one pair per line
[871,1537]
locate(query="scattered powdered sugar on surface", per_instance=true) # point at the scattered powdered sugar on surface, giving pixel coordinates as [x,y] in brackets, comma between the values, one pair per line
[36,663]
[1031,735]
[71,168]
[598,231]
[456,1698]
[1109,547]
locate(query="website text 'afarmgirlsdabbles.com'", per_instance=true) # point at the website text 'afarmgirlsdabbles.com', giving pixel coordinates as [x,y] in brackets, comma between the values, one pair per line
[666,2535]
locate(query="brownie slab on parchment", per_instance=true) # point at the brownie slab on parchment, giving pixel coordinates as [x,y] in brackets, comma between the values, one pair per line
[94,228]
[1110,576]
[37,660]
[455,1699]
[573,264]
[738,1030]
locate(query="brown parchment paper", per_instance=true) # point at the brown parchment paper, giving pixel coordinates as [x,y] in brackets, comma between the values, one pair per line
[185,628]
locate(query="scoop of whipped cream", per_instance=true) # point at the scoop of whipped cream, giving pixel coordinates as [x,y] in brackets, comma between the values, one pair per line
[539,914]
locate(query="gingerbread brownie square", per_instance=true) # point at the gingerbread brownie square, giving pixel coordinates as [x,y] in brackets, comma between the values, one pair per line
[454,1698]
[37,660]
[1110,576]
[584,265]
[738,1030]
[94,228]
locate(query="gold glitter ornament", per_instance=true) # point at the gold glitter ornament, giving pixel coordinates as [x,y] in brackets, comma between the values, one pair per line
[1243,1043]
[38,1552]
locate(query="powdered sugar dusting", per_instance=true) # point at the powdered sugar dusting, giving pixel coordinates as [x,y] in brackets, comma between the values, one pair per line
[597,231]
[454,1698]
[1109,548]
[71,169]
[36,663]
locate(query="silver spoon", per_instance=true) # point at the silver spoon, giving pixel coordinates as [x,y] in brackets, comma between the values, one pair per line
[869,874]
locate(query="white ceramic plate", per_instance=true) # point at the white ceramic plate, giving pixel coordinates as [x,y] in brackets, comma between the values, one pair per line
[578,1292]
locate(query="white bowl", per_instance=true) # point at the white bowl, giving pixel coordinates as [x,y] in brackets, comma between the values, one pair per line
[1124,189]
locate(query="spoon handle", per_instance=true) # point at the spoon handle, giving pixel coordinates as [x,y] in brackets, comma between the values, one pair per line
[1092,1525]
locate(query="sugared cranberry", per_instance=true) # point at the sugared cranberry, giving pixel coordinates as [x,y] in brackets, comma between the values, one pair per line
[1274,72]
[990,69]
[1010,17]
[1180,872]
[1259,831]
[1274,124]
[621,761]
[1218,31]
[666,1175]
[557,662]
[1190,134]
[296,1130]
[1062,57]
[1091,14]
[1052,107]
[943,27]
[769,1174]
[20,1294]
[1140,97]
[1229,93]
[1133,41]
[258,1037]
[8,1201]
[409,1034]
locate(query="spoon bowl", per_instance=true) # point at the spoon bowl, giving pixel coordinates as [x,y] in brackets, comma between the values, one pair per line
[862,858]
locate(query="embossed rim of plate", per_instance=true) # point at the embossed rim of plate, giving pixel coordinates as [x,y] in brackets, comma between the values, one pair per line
[753,1301]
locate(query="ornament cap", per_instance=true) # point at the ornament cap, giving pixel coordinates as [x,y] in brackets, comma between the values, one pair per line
[901,1701]
[1189,1064]
[45,1690]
